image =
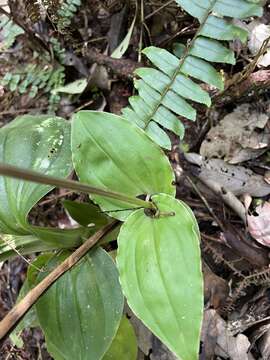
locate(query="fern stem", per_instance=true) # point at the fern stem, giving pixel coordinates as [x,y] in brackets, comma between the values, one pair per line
[186,54]
[33,176]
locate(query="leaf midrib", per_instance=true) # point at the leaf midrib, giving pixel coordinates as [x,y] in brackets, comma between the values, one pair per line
[177,71]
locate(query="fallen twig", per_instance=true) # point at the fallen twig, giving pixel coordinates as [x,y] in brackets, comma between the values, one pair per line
[121,67]
[228,197]
[258,80]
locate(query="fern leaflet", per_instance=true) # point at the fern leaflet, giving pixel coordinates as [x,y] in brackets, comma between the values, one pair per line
[163,91]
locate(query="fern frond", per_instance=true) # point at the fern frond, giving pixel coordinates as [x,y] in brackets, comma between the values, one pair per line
[164,92]
[8,32]
[66,12]
[60,12]
[35,10]
[36,78]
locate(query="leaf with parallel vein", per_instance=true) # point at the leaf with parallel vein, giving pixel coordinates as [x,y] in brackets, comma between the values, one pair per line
[165,92]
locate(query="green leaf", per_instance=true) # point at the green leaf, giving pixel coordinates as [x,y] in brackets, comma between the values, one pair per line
[222,29]
[170,83]
[85,213]
[158,135]
[239,9]
[30,319]
[160,273]
[38,266]
[190,90]
[167,119]
[80,313]
[212,50]
[232,8]
[162,59]
[202,70]
[75,87]
[42,239]
[40,143]
[179,49]
[111,153]
[24,244]
[124,345]
[123,46]
[62,238]
[8,33]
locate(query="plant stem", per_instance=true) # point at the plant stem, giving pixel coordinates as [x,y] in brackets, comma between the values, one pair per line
[19,310]
[181,63]
[33,176]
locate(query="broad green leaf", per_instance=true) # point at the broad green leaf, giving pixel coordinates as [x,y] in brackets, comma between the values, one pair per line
[8,32]
[141,108]
[112,153]
[38,266]
[80,313]
[62,238]
[42,239]
[190,90]
[239,9]
[85,213]
[76,87]
[179,49]
[89,214]
[222,29]
[212,51]
[158,135]
[232,8]
[167,119]
[30,319]
[195,8]
[148,74]
[39,143]
[24,244]
[202,70]
[124,345]
[160,273]
[131,116]
[162,59]
[177,104]
[123,46]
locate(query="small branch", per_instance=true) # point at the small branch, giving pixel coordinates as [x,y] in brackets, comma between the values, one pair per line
[211,211]
[122,67]
[33,176]
[259,80]
[228,197]
[19,310]
[159,9]
[37,43]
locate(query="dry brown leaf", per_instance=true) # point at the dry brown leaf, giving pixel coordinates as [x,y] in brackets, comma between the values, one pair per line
[264,345]
[258,34]
[259,225]
[236,179]
[219,341]
[238,137]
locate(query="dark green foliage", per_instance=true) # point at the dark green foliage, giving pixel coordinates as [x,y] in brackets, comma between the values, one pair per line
[165,91]
[66,12]
[34,79]
[8,32]
[60,12]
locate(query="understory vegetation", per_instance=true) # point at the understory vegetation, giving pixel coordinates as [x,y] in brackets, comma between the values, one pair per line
[134,179]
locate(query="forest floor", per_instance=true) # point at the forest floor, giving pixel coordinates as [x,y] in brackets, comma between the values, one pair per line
[222,166]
